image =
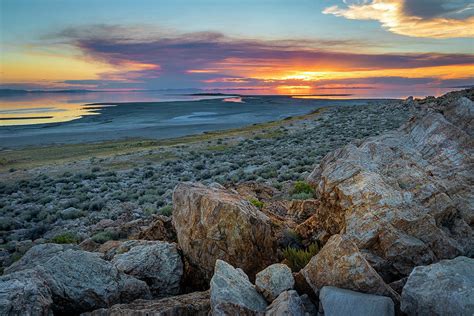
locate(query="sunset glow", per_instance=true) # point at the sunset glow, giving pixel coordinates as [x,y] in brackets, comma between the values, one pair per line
[433,49]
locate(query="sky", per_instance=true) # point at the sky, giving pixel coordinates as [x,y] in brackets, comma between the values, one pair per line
[280,46]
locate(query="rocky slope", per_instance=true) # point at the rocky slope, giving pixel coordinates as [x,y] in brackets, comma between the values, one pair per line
[392,214]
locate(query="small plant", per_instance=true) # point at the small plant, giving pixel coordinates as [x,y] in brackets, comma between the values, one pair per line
[257,203]
[299,258]
[302,187]
[65,238]
[166,210]
[103,237]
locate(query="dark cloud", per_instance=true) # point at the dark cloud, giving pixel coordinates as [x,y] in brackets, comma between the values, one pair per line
[427,9]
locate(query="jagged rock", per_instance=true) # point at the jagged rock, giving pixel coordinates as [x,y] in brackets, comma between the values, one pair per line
[404,196]
[287,303]
[192,304]
[339,263]
[336,302]
[302,209]
[233,294]
[157,263]
[89,245]
[273,280]
[38,255]
[443,288]
[212,223]
[79,280]
[25,293]
[308,305]
[161,228]
[113,247]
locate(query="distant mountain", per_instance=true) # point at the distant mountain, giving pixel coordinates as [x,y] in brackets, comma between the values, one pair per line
[20,91]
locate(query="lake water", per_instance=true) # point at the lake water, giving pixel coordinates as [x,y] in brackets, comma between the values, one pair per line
[56,118]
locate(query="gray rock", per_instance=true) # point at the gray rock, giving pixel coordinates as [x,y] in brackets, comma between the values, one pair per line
[232,293]
[155,262]
[273,280]
[38,255]
[336,302]
[24,293]
[192,304]
[78,280]
[82,281]
[444,288]
[288,303]
[309,307]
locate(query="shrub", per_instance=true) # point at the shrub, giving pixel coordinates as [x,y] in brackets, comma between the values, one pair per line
[298,258]
[302,187]
[166,210]
[103,237]
[301,196]
[65,238]
[257,203]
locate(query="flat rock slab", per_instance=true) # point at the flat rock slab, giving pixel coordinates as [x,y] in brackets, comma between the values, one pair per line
[337,302]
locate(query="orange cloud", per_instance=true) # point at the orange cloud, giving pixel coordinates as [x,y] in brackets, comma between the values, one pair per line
[393,17]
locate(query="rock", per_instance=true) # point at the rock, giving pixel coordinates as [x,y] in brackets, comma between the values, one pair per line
[25,293]
[78,280]
[160,229]
[212,223]
[443,288]
[339,263]
[89,245]
[233,294]
[157,263]
[287,303]
[335,302]
[404,196]
[192,304]
[273,280]
[38,255]
[309,307]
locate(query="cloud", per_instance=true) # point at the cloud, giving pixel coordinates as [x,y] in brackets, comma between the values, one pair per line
[416,18]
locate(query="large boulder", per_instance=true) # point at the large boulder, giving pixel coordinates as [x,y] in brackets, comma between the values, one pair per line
[25,293]
[340,263]
[443,288]
[287,303]
[335,302]
[78,280]
[38,255]
[233,294]
[212,223]
[157,263]
[404,198]
[192,304]
[273,280]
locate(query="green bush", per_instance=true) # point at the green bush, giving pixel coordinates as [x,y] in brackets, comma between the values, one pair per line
[65,238]
[257,203]
[166,210]
[103,237]
[302,187]
[298,258]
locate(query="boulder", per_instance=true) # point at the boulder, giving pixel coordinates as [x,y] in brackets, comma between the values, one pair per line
[273,280]
[38,255]
[233,294]
[192,304]
[212,223]
[25,293]
[287,303]
[155,262]
[335,302]
[443,288]
[405,197]
[78,280]
[339,263]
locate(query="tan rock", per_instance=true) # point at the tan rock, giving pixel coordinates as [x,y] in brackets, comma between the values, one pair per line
[340,264]
[212,223]
[405,197]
